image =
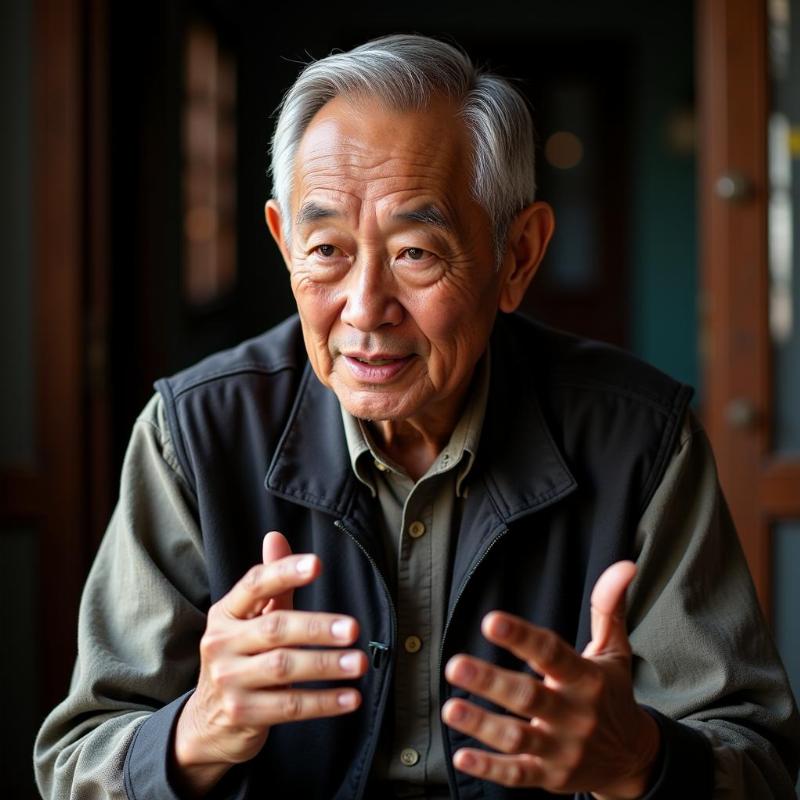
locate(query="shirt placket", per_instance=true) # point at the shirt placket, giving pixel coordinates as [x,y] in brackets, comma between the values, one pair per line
[413,670]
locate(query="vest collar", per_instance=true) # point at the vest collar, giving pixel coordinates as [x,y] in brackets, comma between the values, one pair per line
[311,465]
[522,467]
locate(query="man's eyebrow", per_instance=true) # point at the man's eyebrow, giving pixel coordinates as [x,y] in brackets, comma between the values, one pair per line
[427,215]
[312,211]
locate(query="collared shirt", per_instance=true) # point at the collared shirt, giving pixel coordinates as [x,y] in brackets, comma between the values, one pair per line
[419,520]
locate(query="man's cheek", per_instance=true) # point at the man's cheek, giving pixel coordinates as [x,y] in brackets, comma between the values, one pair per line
[317,341]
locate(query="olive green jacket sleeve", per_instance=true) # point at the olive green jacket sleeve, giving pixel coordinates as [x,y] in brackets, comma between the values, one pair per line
[139,626]
[703,653]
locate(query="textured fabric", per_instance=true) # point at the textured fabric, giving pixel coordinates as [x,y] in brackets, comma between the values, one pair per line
[417,519]
[148,581]
[597,469]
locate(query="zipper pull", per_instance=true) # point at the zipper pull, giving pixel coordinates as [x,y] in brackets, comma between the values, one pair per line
[378,650]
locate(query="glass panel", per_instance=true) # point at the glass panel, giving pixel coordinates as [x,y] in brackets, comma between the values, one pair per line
[19,620]
[573,120]
[209,168]
[784,217]
[786,599]
[16,325]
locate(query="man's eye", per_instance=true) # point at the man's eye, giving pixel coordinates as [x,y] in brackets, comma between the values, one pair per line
[326,250]
[415,254]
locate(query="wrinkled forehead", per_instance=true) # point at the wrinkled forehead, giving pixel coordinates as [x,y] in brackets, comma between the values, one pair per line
[361,147]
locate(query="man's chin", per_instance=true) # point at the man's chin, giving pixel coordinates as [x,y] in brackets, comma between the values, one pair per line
[374,409]
[375,416]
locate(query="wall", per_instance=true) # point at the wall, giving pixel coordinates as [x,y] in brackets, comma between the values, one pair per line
[18,542]
[661,248]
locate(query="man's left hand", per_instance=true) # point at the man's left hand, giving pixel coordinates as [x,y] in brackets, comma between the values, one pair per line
[579,728]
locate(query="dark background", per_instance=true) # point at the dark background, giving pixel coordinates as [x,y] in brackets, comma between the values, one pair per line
[622,265]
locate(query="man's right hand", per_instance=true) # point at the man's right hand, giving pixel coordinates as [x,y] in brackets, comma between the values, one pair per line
[253,651]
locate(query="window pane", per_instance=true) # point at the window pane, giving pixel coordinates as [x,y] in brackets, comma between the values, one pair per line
[17,444]
[786,597]
[784,217]
[209,168]
[19,591]
[786,600]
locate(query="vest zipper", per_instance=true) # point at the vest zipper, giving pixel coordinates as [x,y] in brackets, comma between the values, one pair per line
[378,650]
[448,755]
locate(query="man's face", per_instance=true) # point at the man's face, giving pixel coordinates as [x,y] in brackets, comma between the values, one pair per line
[391,260]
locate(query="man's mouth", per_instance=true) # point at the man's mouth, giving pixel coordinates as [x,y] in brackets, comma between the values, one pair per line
[376,368]
[376,362]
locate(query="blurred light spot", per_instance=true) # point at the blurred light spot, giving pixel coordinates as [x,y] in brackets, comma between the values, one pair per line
[780,228]
[563,150]
[794,141]
[682,132]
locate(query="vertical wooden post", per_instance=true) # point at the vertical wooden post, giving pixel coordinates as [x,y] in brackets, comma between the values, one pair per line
[733,194]
[59,256]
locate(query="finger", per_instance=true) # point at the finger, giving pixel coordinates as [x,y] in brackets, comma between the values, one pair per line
[262,582]
[507,770]
[292,629]
[542,649]
[517,692]
[609,632]
[287,665]
[270,707]
[499,731]
[274,547]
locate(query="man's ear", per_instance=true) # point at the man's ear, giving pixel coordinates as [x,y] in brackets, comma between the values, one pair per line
[528,237]
[272,212]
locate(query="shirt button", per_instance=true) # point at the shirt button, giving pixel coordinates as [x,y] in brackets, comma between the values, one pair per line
[416,529]
[409,756]
[413,644]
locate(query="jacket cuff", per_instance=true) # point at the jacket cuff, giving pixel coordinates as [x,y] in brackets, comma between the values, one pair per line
[147,762]
[685,766]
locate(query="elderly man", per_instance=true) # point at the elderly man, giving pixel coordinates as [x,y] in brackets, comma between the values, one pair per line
[458,504]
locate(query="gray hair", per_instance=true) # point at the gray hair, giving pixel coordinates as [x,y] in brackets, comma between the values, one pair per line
[404,71]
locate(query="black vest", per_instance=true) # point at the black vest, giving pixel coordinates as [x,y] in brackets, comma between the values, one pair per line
[576,439]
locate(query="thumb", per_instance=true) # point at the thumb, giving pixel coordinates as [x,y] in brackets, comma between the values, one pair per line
[608,610]
[274,547]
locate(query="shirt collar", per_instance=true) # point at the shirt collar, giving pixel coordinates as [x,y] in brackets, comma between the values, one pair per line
[460,450]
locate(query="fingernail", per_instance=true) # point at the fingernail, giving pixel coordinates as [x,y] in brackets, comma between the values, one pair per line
[467,760]
[341,629]
[501,627]
[350,662]
[346,699]
[459,669]
[468,672]
[456,713]
[305,565]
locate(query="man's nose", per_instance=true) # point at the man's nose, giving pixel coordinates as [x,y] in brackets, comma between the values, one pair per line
[371,295]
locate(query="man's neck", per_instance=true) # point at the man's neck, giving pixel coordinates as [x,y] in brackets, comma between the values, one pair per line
[409,445]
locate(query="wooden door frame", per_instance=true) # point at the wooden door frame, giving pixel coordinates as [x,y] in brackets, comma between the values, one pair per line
[733,95]
[70,230]
[58,201]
